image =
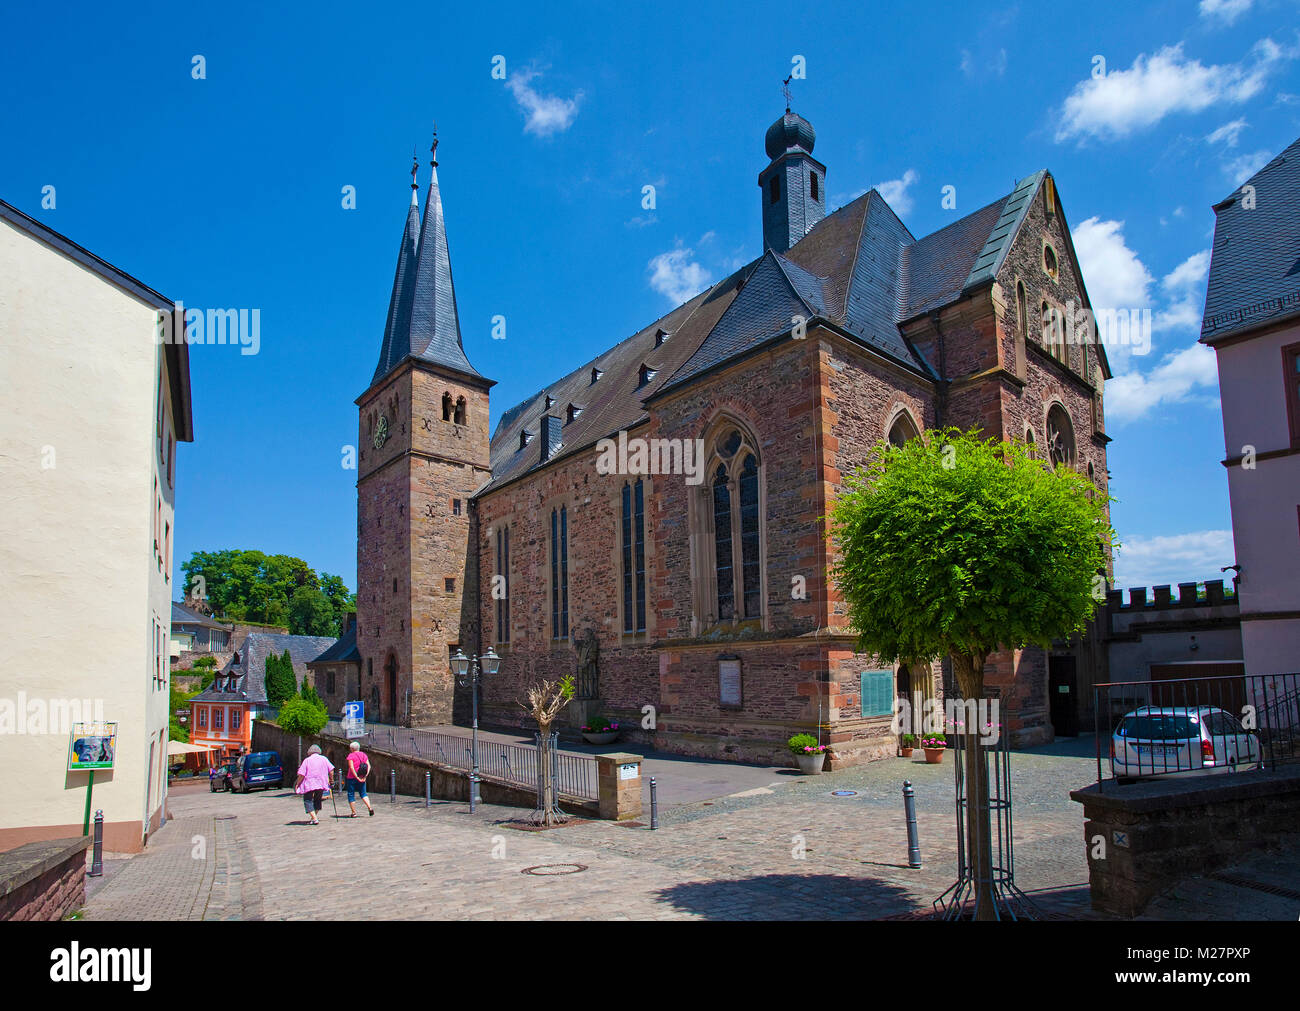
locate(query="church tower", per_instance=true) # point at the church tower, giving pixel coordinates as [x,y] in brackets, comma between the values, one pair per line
[423,451]
[793,184]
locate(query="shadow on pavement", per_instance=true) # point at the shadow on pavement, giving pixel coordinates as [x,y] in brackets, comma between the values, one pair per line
[791,897]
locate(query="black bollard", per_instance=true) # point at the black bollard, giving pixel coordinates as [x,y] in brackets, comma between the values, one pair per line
[97,856]
[654,803]
[392,786]
[427,793]
[909,810]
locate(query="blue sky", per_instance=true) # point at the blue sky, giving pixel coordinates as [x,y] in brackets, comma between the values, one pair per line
[226,190]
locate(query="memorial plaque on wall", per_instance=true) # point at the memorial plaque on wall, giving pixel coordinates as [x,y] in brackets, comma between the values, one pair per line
[729,681]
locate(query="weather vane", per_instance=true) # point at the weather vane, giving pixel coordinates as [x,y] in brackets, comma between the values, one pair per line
[785,90]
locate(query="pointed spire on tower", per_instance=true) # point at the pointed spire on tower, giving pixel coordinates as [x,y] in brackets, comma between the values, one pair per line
[415,185]
[423,321]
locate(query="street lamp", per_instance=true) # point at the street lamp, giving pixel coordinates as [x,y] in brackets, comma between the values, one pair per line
[466,670]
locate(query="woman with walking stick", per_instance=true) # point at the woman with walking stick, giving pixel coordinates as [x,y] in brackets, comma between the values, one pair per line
[313,781]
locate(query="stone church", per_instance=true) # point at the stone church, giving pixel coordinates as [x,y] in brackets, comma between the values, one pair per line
[690,596]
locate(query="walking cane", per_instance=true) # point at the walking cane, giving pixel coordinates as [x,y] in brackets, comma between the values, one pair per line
[332,800]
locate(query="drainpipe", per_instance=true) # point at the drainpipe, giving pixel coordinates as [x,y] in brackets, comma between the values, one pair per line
[941,401]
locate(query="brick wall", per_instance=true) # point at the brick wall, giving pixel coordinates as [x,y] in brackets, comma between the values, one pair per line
[43,880]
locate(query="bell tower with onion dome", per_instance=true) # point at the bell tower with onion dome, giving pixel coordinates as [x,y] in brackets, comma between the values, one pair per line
[793,184]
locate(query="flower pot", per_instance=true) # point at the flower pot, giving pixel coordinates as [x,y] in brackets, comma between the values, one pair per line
[811,765]
[905,752]
[609,737]
[933,756]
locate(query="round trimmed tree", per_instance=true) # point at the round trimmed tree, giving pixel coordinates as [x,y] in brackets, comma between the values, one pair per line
[957,546]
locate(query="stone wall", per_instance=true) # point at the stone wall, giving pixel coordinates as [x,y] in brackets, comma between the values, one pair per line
[43,880]
[446,783]
[1142,839]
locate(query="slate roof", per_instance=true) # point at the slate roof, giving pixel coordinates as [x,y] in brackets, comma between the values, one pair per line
[344,649]
[182,615]
[251,669]
[1255,261]
[422,319]
[859,268]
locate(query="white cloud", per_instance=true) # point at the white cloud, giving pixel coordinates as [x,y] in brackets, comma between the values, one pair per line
[1242,168]
[1185,288]
[1179,376]
[1228,133]
[1171,559]
[677,276]
[895,192]
[544,114]
[1157,86]
[1226,11]
[1115,277]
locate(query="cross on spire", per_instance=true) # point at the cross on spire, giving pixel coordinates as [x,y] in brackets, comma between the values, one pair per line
[433,149]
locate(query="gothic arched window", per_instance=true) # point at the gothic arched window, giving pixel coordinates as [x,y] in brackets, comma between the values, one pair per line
[1022,307]
[446,407]
[459,416]
[902,429]
[1060,437]
[728,528]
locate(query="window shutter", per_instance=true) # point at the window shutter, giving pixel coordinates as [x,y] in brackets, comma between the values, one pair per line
[877,693]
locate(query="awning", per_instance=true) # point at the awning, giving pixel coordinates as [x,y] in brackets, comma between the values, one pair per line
[181,748]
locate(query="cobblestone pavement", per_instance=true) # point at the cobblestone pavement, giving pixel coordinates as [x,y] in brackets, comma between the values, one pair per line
[788,850]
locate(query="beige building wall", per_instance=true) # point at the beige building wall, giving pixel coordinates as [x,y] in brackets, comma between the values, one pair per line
[1265,498]
[84,497]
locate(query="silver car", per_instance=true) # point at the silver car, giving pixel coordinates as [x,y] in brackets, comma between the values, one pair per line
[1180,741]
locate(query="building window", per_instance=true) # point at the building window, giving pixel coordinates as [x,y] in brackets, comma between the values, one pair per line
[573,411]
[596,374]
[448,584]
[459,416]
[446,407]
[1049,262]
[501,589]
[455,507]
[560,573]
[775,190]
[634,608]
[203,717]
[1060,437]
[234,719]
[329,682]
[812,182]
[902,429]
[1022,307]
[645,375]
[1291,370]
[731,511]
[218,718]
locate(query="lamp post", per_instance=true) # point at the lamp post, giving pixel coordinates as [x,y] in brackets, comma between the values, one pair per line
[466,670]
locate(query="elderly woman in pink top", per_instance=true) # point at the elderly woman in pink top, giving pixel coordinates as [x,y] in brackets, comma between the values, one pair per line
[313,781]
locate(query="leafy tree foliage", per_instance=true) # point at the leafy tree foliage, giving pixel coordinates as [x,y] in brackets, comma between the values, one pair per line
[281,681]
[302,717]
[955,546]
[246,585]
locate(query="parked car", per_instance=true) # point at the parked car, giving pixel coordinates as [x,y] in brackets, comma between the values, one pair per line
[1180,741]
[220,778]
[260,770]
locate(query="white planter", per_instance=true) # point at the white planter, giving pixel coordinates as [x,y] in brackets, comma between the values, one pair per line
[811,765]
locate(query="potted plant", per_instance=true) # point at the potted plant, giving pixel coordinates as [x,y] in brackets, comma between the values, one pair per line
[808,754]
[600,731]
[933,745]
[905,745]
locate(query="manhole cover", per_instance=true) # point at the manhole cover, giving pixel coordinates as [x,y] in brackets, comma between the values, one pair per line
[844,793]
[550,870]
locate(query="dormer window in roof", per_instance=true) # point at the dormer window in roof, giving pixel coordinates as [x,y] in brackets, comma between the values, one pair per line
[550,402]
[661,337]
[596,374]
[572,413]
[645,375]
[525,437]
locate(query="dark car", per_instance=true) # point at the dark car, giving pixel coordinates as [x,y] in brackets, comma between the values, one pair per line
[219,779]
[260,770]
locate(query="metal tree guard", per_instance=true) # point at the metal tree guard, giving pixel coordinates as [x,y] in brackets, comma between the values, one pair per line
[962,900]
[550,754]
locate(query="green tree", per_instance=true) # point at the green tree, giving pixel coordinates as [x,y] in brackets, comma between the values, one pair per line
[281,682]
[955,546]
[310,613]
[300,716]
[342,600]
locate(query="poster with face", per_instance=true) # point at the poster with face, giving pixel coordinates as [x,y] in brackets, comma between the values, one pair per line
[92,746]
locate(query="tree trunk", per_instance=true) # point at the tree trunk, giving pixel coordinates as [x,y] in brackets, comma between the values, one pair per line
[970,679]
[544,774]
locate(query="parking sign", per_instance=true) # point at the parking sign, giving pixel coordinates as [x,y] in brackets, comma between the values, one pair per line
[354,719]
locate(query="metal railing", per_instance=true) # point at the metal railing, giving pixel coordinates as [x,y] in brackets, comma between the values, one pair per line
[514,764]
[1195,726]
